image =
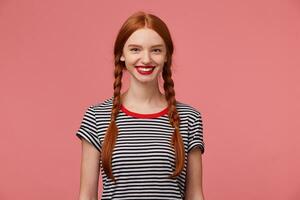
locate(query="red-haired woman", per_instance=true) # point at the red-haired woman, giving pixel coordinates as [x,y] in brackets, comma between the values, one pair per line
[142,141]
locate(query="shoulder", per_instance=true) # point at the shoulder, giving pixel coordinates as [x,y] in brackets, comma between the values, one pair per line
[102,107]
[187,110]
[188,113]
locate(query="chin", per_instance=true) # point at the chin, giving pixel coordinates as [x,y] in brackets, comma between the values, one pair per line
[147,80]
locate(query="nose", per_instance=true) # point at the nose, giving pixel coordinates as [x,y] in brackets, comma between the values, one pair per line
[146,58]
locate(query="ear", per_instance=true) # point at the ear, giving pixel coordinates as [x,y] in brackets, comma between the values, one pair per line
[122,58]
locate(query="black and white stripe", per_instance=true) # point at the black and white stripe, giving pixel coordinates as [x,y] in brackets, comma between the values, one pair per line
[143,157]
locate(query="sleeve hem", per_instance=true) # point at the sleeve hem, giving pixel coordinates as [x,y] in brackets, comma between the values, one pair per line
[194,145]
[83,136]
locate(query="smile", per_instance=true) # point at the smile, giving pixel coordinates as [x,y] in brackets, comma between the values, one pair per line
[145,70]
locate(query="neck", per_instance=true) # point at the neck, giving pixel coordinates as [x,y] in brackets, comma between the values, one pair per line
[143,94]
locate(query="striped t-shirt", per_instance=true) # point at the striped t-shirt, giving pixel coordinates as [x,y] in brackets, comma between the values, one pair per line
[143,157]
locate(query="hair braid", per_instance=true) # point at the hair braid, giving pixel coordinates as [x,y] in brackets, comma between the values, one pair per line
[112,131]
[177,141]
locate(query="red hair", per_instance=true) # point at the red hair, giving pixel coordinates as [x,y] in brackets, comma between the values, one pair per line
[134,22]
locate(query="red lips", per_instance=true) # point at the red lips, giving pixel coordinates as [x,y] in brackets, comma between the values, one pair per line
[148,66]
[142,72]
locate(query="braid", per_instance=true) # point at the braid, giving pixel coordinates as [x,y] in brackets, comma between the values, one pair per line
[118,73]
[177,141]
[112,131]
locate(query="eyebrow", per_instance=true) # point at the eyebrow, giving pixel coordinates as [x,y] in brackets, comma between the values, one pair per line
[136,45]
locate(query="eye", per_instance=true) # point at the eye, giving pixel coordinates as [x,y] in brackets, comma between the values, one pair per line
[159,50]
[133,49]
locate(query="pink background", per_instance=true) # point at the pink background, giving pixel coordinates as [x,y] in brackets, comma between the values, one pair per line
[236,61]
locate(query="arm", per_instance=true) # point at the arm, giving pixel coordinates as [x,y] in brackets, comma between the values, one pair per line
[89,172]
[194,189]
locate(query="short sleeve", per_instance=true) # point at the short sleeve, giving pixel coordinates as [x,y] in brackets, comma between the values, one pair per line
[88,128]
[195,127]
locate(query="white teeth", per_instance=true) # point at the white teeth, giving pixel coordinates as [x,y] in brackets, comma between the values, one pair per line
[146,69]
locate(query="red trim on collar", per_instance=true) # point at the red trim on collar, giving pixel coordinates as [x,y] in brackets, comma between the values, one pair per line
[140,115]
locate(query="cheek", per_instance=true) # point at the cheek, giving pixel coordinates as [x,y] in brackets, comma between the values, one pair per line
[131,59]
[158,59]
[129,62]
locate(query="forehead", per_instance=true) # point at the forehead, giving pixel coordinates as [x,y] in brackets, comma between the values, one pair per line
[144,37]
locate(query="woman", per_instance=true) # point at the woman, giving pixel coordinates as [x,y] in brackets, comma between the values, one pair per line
[142,141]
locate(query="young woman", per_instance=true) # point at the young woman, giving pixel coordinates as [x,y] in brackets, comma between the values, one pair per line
[142,141]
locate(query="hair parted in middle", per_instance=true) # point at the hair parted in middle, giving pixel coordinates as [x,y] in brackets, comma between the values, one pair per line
[137,21]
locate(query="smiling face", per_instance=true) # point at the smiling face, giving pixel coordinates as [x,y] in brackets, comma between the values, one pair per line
[144,54]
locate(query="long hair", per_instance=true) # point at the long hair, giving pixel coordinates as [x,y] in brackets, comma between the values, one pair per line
[134,22]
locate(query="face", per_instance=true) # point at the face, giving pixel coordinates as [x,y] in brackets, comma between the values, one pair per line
[144,54]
